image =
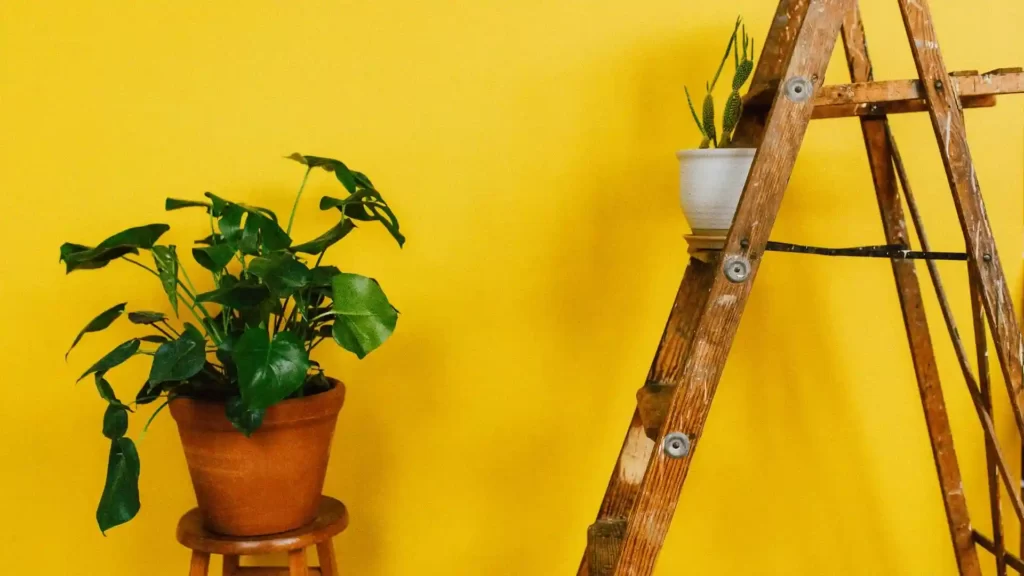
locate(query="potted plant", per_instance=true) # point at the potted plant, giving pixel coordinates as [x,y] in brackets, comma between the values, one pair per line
[712,179]
[255,414]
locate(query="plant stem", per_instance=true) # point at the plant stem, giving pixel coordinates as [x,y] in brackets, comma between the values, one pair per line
[162,331]
[213,330]
[295,206]
[170,328]
[191,305]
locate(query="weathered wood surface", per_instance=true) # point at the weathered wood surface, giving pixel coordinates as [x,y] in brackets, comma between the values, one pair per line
[771,64]
[880,157]
[984,378]
[948,124]
[604,539]
[636,449]
[702,367]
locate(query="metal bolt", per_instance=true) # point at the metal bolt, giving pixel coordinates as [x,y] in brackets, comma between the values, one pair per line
[744,243]
[987,257]
[938,85]
[799,89]
[676,445]
[737,269]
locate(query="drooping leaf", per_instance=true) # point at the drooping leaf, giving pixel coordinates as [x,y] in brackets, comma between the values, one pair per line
[153,338]
[79,257]
[341,172]
[327,239]
[166,259]
[148,393]
[219,205]
[211,239]
[214,258]
[269,370]
[98,323]
[114,358]
[281,272]
[137,237]
[146,317]
[362,180]
[364,318]
[176,204]
[244,418]
[366,205]
[179,359]
[244,294]
[105,390]
[385,216]
[115,421]
[120,500]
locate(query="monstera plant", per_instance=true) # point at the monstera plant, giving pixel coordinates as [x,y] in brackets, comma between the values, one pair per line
[246,336]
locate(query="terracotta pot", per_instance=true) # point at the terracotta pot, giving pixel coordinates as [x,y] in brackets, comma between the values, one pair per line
[270,482]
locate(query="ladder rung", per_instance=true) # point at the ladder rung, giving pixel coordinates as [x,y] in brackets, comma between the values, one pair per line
[1011,560]
[898,96]
[604,540]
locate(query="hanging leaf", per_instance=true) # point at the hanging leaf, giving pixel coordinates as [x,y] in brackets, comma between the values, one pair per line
[98,323]
[166,259]
[364,318]
[148,393]
[245,419]
[146,317]
[175,204]
[214,258]
[179,359]
[153,339]
[138,237]
[341,172]
[120,500]
[269,370]
[105,390]
[244,294]
[282,273]
[114,358]
[366,205]
[79,257]
[115,421]
[327,239]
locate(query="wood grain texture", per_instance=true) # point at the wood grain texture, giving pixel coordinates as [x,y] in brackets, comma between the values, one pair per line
[878,110]
[328,560]
[604,540]
[199,564]
[702,366]
[636,449]
[984,378]
[297,565]
[880,157]
[771,64]
[948,124]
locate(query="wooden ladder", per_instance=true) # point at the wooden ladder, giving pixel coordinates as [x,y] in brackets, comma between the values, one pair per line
[786,93]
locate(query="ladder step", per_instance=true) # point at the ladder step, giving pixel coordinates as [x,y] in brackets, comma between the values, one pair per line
[604,541]
[652,403]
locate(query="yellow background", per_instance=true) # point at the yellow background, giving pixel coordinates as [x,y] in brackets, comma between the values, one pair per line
[528,148]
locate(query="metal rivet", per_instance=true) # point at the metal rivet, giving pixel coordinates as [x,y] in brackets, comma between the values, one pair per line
[798,89]
[987,257]
[744,243]
[737,269]
[676,445]
[938,85]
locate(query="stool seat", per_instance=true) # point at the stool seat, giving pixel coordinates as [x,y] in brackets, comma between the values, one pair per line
[331,519]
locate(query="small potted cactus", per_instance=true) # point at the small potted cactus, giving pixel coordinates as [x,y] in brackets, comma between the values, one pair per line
[711,178]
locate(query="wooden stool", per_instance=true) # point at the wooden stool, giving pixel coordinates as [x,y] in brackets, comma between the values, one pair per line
[330,520]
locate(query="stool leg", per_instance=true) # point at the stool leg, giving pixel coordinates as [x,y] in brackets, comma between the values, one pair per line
[328,562]
[200,564]
[297,563]
[230,565]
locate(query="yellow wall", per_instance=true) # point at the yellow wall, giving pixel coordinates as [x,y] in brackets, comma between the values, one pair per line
[528,147]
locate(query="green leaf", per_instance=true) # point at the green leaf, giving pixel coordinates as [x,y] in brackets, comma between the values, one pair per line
[114,358]
[230,223]
[153,339]
[138,237]
[146,317]
[245,419]
[245,294]
[166,259]
[79,257]
[344,175]
[179,359]
[322,275]
[214,258]
[120,500]
[261,231]
[366,205]
[327,239]
[219,205]
[98,323]
[281,272]
[211,239]
[104,389]
[115,421]
[148,393]
[175,204]
[364,318]
[269,370]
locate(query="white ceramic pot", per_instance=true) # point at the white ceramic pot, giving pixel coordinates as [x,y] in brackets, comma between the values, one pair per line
[710,184]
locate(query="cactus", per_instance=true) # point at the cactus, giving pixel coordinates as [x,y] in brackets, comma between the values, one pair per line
[744,67]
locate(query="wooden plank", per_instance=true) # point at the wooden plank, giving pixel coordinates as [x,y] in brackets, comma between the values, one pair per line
[774,60]
[915,321]
[1011,560]
[878,110]
[948,124]
[636,449]
[328,560]
[702,368]
[604,539]
[984,378]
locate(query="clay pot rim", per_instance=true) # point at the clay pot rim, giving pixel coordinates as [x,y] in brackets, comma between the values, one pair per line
[209,414]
